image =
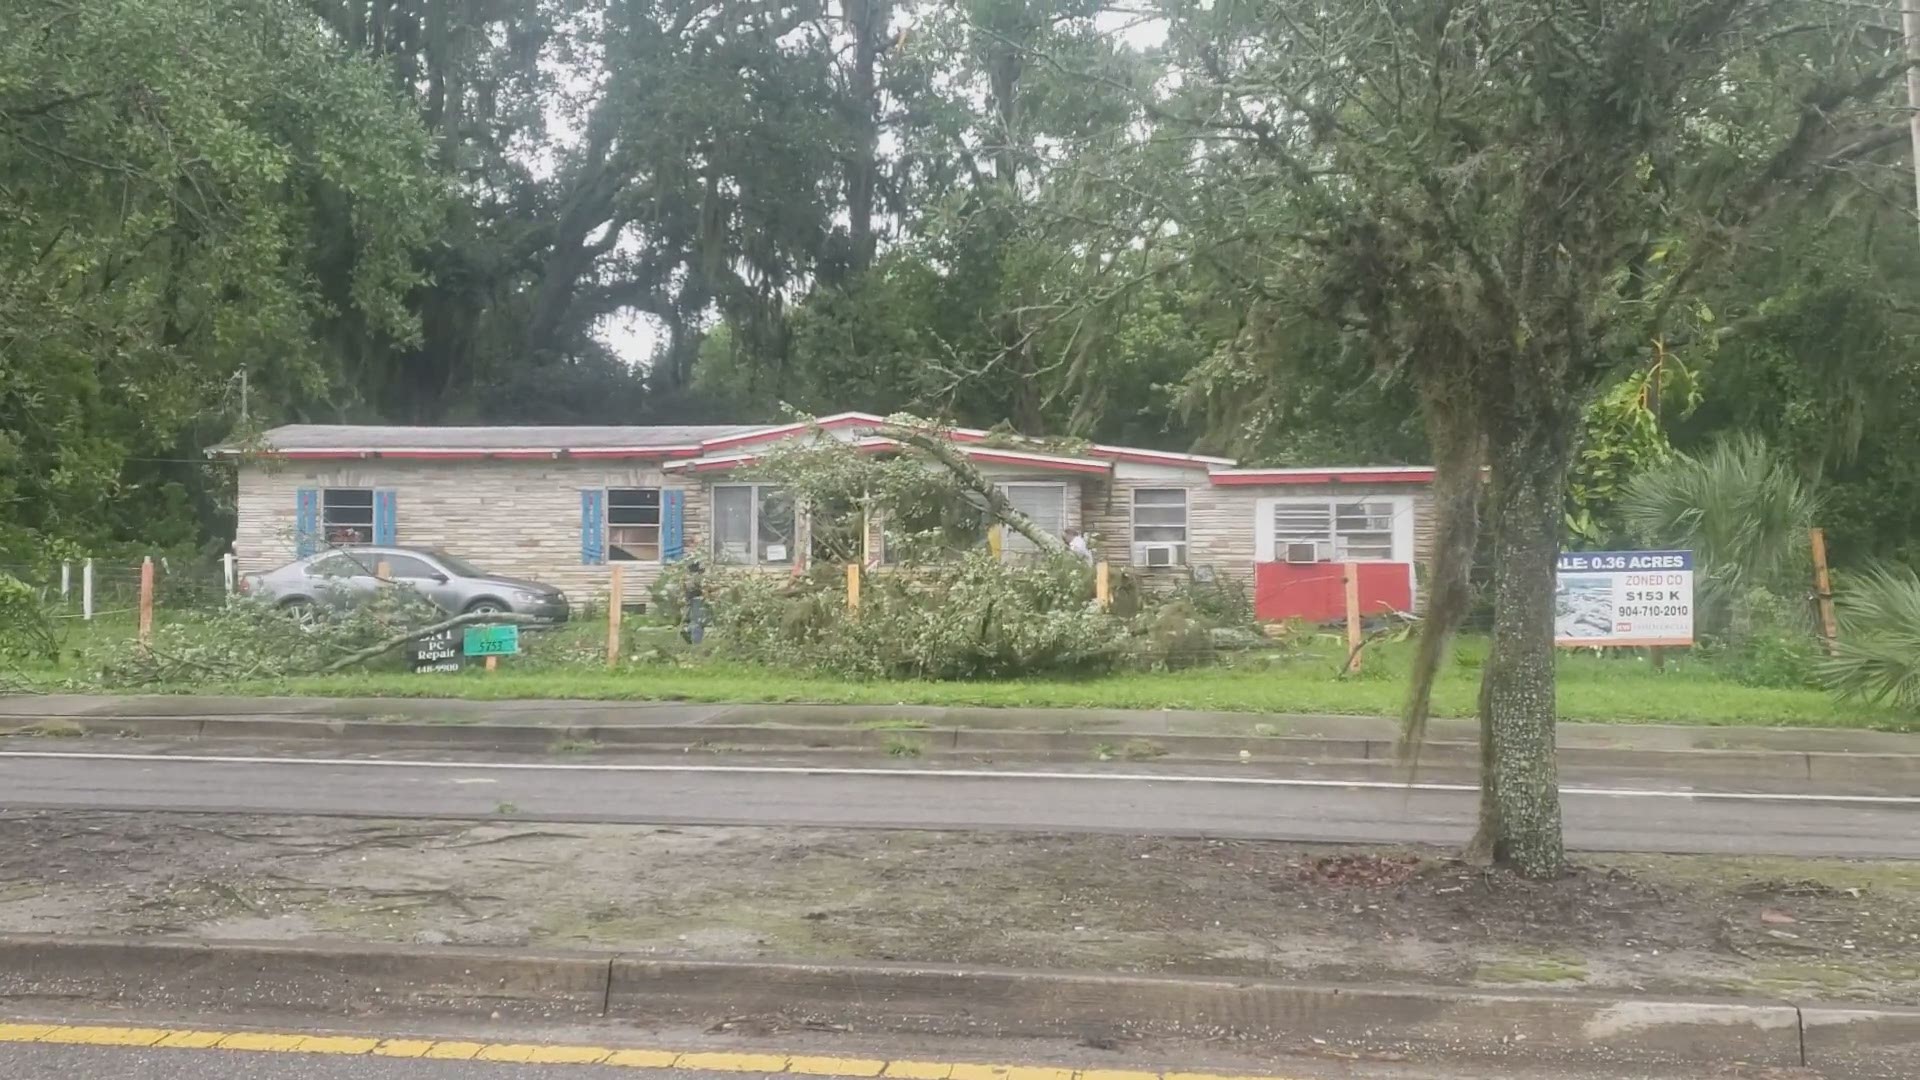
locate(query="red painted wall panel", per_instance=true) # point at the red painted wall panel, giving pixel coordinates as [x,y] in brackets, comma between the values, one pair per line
[1316,593]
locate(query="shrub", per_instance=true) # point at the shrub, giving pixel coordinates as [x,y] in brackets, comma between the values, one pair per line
[1742,510]
[1176,636]
[1773,645]
[250,639]
[1223,602]
[974,617]
[26,631]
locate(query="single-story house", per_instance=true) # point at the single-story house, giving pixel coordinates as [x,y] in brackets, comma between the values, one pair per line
[564,504]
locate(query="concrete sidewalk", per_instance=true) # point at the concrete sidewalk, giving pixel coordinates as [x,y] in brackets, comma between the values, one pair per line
[564,715]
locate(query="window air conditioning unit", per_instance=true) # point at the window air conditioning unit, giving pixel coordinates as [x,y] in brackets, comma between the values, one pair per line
[1156,554]
[1302,552]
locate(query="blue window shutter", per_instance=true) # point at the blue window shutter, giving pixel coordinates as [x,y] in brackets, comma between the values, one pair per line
[593,526]
[386,517]
[306,522]
[673,525]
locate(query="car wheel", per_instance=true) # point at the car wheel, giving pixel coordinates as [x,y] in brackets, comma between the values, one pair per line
[486,607]
[300,610]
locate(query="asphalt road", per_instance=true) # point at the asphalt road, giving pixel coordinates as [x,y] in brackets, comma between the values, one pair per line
[1138,802]
[90,1062]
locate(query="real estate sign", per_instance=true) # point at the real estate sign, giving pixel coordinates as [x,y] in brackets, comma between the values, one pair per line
[1623,598]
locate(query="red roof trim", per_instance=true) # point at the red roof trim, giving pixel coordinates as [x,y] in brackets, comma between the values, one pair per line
[965,435]
[1268,477]
[1038,461]
[1117,453]
[828,423]
[657,452]
[1157,457]
[516,454]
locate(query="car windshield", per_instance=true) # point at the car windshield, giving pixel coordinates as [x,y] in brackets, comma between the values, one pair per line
[460,567]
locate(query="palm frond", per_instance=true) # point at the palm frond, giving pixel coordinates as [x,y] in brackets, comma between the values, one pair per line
[1742,510]
[1878,657]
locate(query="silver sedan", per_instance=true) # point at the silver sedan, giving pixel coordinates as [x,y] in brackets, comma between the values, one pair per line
[350,574]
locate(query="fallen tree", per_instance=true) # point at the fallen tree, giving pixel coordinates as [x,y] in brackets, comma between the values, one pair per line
[249,640]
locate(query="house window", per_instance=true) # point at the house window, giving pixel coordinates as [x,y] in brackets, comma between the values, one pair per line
[1340,531]
[1160,526]
[346,515]
[633,524]
[1044,504]
[753,524]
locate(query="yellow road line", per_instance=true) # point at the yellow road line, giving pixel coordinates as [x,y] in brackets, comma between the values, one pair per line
[271,1042]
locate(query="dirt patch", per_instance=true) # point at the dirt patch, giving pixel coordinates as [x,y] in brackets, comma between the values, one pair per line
[1647,924]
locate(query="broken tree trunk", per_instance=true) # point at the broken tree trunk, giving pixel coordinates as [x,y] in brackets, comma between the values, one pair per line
[935,445]
[398,640]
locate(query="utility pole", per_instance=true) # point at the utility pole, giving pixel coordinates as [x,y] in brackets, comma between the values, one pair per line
[1910,29]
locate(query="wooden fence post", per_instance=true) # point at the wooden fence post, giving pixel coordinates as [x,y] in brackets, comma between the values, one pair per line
[86,591]
[146,601]
[853,586]
[383,570]
[66,580]
[616,596]
[1351,574]
[1823,588]
[1103,584]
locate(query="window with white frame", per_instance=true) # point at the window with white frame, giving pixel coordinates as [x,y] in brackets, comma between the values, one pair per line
[633,524]
[346,515]
[1340,530]
[753,524]
[1044,504]
[1160,526]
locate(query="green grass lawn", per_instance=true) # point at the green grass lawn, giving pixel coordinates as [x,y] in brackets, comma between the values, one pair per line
[1623,689]
[1587,692]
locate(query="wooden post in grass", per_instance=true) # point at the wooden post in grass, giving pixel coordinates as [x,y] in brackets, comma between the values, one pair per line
[616,592]
[1103,584]
[1351,575]
[383,570]
[493,664]
[1823,588]
[853,586]
[146,601]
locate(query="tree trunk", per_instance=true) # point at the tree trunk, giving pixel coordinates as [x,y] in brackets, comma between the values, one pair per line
[867,20]
[1520,786]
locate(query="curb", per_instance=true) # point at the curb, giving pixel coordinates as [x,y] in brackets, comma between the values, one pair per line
[900,999]
[1750,764]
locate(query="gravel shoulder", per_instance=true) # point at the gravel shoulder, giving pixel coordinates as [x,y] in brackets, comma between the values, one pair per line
[1824,929]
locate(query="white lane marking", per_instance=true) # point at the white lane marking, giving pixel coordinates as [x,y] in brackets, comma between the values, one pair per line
[962,774]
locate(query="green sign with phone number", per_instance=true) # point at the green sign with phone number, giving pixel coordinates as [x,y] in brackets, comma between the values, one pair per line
[492,640]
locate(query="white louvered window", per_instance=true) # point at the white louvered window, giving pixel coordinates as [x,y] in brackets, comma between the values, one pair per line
[1045,504]
[1341,531]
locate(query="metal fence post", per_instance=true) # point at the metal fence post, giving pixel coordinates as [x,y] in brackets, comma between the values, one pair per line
[227,574]
[66,580]
[86,591]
